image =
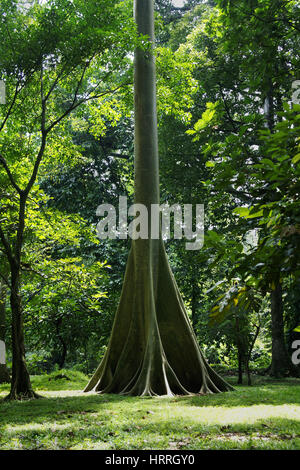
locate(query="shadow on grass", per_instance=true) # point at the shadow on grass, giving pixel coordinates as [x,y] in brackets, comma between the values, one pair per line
[94,423]
[270,393]
[61,407]
[221,421]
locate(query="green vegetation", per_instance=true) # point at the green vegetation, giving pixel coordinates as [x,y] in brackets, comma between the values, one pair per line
[265,416]
[179,105]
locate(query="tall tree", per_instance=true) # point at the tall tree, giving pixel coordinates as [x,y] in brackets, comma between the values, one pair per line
[242,72]
[152,349]
[47,54]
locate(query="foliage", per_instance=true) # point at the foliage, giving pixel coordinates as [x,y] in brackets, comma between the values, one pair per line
[228,138]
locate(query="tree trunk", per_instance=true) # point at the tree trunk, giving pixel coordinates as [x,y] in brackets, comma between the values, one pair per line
[281,362]
[240,368]
[63,355]
[87,370]
[20,384]
[247,370]
[249,352]
[4,374]
[240,350]
[152,349]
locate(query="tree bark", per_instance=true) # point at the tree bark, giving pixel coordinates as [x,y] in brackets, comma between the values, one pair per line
[153,349]
[4,374]
[240,368]
[281,362]
[240,351]
[20,384]
[248,355]
[247,370]
[63,355]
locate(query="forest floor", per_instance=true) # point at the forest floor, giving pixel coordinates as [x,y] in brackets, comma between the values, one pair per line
[263,416]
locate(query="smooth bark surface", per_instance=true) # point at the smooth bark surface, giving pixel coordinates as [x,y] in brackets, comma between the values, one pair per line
[152,349]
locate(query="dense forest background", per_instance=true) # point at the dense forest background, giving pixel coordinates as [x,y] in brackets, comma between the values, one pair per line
[228,123]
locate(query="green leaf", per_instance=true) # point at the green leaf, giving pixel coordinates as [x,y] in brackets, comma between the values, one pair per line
[296,158]
[241,211]
[255,214]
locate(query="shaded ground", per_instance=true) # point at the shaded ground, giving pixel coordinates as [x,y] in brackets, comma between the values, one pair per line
[264,416]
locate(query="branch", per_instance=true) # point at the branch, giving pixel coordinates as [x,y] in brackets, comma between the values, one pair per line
[17,91]
[232,121]
[27,267]
[5,280]
[80,81]
[59,75]
[43,143]
[285,20]
[9,174]
[43,102]
[70,109]
[241,195]
[31,296]
[38,158]
[6,246]
[10,107]
[75,105]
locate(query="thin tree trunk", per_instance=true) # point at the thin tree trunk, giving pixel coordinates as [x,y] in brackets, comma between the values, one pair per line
[4,374]
[240,368]
[153,349]
[20,384]
[248,355]
[240,350]
[62,359]
[281,362]
[87,370]
[247,370]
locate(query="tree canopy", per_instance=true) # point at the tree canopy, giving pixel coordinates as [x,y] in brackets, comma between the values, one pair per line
[225,133]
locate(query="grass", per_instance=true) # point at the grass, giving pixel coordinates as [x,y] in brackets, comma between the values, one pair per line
[264,416]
